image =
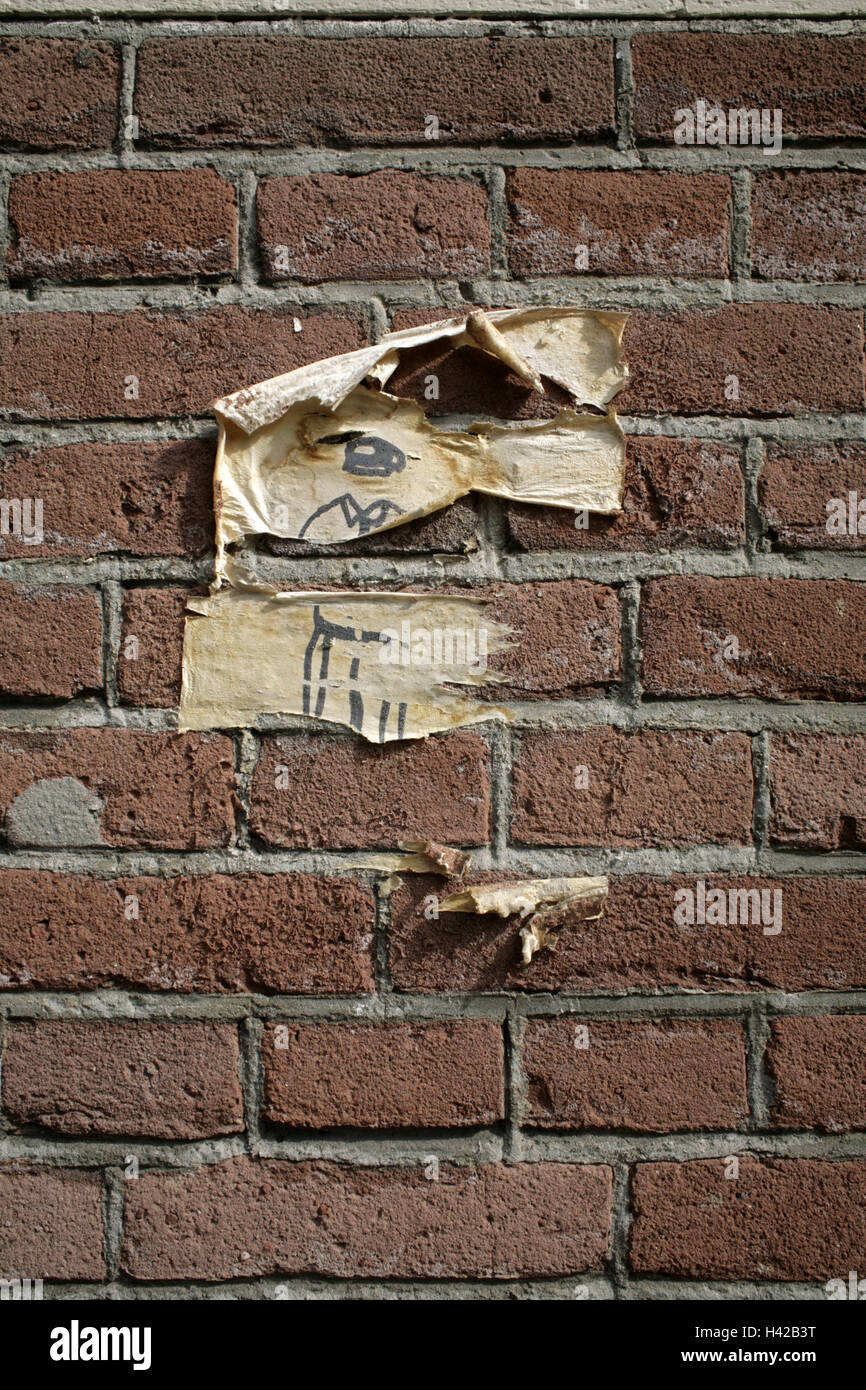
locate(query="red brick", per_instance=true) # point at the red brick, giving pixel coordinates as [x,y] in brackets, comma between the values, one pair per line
[565,639]
[151,647]
[629,223]
[213,933]
[385,225]
[816,1067]
[780,1219]
[819,83]
[796,484]
[305,91]
[50,1223]
[662,1076]
[121,224]
[636,945]
[795,638]
[153,1080]
[142,498]
[451,531]
[241,1219]
[117,787]
[678,493]
[469,382]
[809,226]
[58,93]
[645,788]
[384,1075]
[52,642]
[359,795]
[76,366]
[817,792]
[787,358]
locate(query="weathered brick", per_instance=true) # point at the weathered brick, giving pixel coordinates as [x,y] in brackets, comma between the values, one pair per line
[645,788]
[81,366]
[816,1067]
[818,83]
[658,1076]
[637,945]
[779,1219]
[678,493]
[797,487]
[117,787]
[112,224]
[565,636]
[52,642]
[214,933]
[451,531]
[58,93]
[143,498]
[468,382]
[307,91]
[50,1223]
[154,1080]
[810,226]
[617,223]
[151,647]
[384,1075]
[788,359]
[778,638]
[343,794]
[387,225]
[240,1219]
[817,791]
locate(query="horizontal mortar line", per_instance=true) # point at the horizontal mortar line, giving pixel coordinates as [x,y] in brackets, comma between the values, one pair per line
[564,564]
[772,1290]
[688,1147]
[141,571]
[52,433]
[312,1286]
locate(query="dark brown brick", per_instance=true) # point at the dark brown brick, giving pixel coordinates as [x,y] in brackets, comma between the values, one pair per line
[151,647]
[52,642]
[387,225]
[117,787]
[468,382]
[154,1080]
[240,1219]
[214,933]
[121,224]
[672,1074]
[778,638]
[384,1075]
[303,91]
[816,1067]
[797,487]
[780,1219]
[50,1223]
[620,223]
[343,794]
[818,83]
[809,226]
[452,531]
[646,788]
[817,791]
[58,93]
[565,639]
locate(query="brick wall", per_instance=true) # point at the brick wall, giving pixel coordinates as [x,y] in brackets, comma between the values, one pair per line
[227,1058]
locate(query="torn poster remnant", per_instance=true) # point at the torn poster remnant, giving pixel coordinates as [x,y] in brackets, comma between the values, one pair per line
[545,904]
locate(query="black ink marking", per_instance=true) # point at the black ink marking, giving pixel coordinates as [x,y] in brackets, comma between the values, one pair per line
[366,519]
[368,456]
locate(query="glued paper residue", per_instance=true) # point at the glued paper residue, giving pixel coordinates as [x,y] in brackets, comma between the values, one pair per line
[545,904]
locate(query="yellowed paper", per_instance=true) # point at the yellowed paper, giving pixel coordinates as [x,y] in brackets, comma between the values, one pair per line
[545,904]
[421,857]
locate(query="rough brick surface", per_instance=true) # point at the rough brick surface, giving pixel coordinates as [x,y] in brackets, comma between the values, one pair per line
[617,223]
[79,366]
[816,1068]
[121,224]
[303,91]
[117,787]
[214,933]
[566,639]
[780,1219]
[50,1223]
[52,642]
[647,788]
[384,1076]
[817,791]
[240,1218]
[151,647]
[638,945]
[809,226]
[59,93]
[383,226]
[805,491]
[659,1076]
[778,638]
[818,83]
[154,1080]
[469,382]
[142,498]
[678,493]
[452,531]
[341,793]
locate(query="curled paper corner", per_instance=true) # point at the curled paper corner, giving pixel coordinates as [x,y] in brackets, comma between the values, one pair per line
[546,905]
[419,857]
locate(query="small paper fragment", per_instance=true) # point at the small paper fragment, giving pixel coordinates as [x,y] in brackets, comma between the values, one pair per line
[421,857]
[545,904]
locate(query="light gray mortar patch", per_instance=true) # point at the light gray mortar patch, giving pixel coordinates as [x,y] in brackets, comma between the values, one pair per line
[55,813]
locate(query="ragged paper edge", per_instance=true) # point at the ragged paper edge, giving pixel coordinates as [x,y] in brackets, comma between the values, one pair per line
[420,857]
[544,905]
